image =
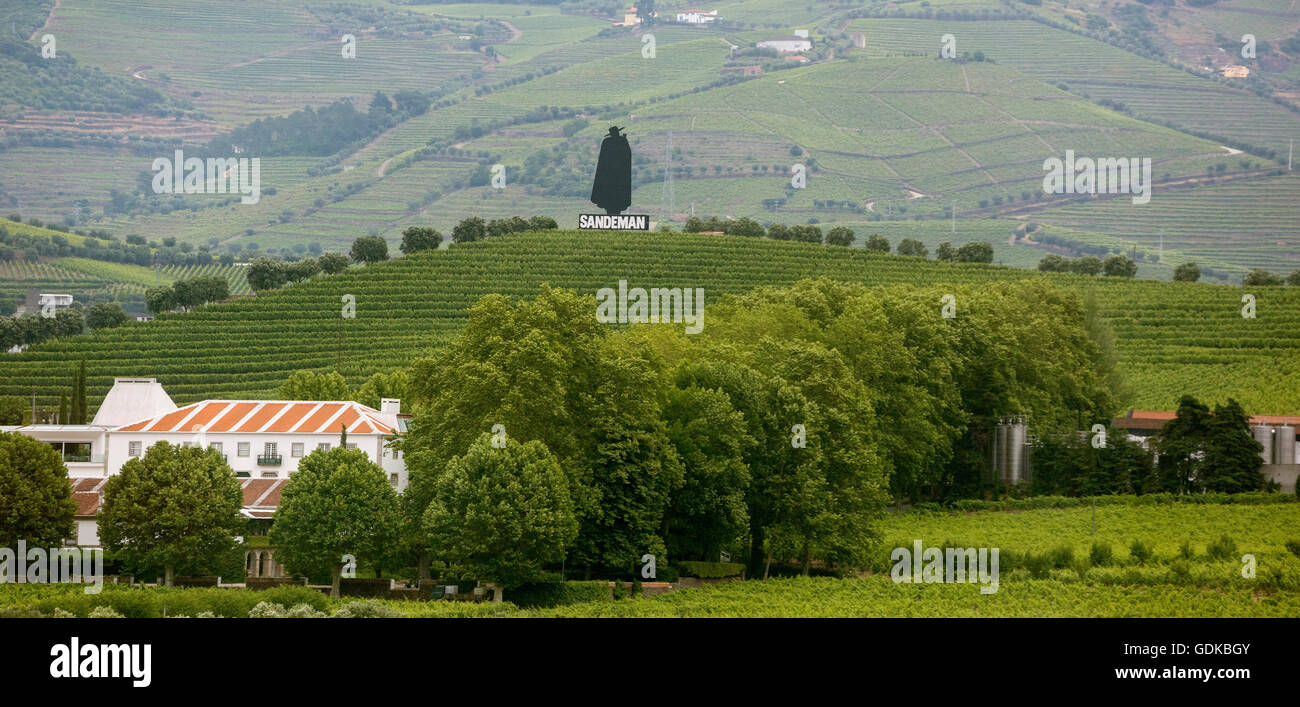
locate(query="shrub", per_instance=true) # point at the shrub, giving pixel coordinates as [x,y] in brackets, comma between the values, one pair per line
[1186,551]
[1294,547]
[304,611]
[266,610]
[1225,548]
[557,593]
[368,609]
[1100,555]
[294,595]
[105,612]
[1140,551]
[710,570]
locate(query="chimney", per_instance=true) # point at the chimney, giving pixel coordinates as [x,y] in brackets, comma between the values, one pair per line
[390,406]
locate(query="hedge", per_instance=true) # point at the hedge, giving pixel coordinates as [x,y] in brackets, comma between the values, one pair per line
[1152,499]
[155,602]
[710,570]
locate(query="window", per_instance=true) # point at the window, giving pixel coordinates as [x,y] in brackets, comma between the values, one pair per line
[133,449]
[352,445]
[392,478]
[269,450]
[296,449]
[323,446]
[215,445]
[243,449]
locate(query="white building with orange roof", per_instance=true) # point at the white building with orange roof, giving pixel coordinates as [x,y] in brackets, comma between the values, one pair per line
[263,440]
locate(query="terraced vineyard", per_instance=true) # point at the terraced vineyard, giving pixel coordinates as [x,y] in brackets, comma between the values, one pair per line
[1151,89]
[1176,338]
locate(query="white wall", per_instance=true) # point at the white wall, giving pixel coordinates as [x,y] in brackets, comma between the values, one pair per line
[119,448]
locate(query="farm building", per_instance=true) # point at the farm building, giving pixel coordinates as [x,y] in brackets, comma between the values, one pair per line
[747,70]
[1234,72]
[38,301]
[1275,433]
[697,17]
[262,440]
[786,44]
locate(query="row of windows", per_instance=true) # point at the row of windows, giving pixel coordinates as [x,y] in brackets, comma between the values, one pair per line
[244,449]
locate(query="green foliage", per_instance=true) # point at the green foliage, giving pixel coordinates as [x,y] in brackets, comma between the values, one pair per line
[1141,552]
[383,385]
[13,410]
[878,243]
[912,247]
[1187,272]
[105,315]
[504,513]
[976,252]
[310,385]
[1200,451]
[368,250]
[710,570]
[337,503]
[1261,278]
[1101,554]
[556,593]
[174,507]
[1225,548]
[469,230]
[367,609]
[35,497]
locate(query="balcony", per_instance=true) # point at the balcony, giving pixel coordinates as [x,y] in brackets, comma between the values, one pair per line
[271,460]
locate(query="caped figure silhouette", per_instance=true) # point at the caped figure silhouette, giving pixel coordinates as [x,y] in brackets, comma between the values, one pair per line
[612,189]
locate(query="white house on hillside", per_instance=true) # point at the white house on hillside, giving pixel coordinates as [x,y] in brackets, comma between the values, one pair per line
[786,44]
[697,17]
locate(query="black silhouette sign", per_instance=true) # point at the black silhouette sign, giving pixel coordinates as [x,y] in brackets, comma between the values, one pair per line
[612,188]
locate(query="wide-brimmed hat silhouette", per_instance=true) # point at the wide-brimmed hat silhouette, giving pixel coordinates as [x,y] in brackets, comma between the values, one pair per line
[613,130]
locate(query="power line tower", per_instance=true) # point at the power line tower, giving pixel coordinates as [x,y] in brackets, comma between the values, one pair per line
[670,198]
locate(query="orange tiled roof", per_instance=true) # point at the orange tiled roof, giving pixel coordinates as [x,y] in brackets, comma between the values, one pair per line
[1155,419]
[252,416]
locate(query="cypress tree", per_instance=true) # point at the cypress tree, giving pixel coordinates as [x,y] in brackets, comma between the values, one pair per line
[64,415]
[79,410]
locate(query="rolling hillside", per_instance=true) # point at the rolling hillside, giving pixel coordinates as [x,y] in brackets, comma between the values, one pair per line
[891,131]
[1175,338]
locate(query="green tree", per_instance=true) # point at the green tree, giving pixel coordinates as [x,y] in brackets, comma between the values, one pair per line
[64,415]
[1232,460]
[1087,265]
[502,513]
[1187,272]
[383,385]
[337,503]
[263,274]
[310,385]
[976,252]
[175,506]
[1119,266]
[13,410]
[1179,446]
[418,238]
[35,497]
[369,250]
[878,243]
[1293,279]
[912,247]
[105,316]
[708,513]
[840,236]
[945,252]
[470,229]
[332,263]
[746,227]
[80,411]
[1261,278]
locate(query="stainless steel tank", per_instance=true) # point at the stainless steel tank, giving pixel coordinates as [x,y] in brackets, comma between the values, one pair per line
[1264,435]
[1284,445]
